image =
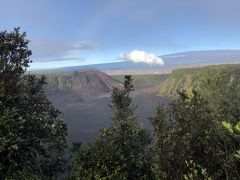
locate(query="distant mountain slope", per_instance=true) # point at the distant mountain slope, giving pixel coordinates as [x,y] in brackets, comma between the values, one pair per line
[208,79]
[171,60]
[110,66]
[93,82]
[202,57]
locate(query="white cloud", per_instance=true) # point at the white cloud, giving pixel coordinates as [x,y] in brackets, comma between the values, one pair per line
[141,56]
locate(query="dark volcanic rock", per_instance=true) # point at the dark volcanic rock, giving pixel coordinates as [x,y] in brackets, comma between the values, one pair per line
[93,82]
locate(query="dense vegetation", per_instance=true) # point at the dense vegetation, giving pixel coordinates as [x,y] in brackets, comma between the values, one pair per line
[192,141]
[196,136]
[198,79]
[32,132]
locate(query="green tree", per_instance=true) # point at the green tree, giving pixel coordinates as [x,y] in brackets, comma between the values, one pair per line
[32,132]
[192,143]
[221,88]
[119,151]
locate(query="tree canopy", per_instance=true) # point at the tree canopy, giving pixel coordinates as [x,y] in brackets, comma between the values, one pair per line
[32,132]
[119,151]
[192,143]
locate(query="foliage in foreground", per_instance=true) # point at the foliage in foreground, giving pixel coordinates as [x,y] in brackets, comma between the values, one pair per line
[32,132]
[119,151]
[192,143]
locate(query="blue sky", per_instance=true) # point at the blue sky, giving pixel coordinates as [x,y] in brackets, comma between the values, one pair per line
[79,32]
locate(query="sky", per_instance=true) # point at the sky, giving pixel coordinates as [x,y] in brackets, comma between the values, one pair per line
[80,32]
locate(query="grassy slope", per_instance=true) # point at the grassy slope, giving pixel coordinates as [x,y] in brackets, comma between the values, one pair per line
[201,79]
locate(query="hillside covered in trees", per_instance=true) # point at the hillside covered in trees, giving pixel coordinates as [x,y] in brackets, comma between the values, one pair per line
[201,79]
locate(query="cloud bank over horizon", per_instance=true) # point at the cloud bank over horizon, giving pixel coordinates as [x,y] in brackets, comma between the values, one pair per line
[51,50]
[137,56]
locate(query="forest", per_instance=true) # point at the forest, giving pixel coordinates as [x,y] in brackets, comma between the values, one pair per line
[195,136]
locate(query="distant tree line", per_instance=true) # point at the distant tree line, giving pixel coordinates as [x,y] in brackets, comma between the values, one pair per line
[196,136]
